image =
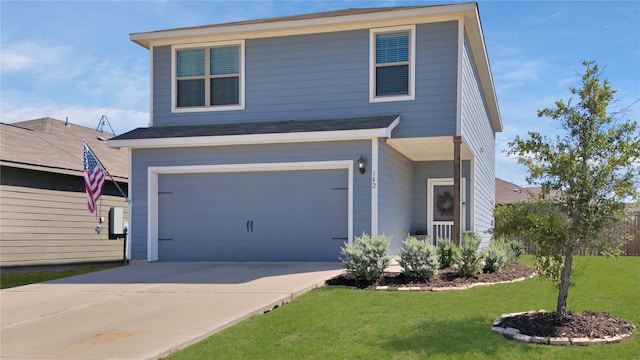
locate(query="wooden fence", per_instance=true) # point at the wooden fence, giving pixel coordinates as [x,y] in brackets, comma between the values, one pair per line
[631,248]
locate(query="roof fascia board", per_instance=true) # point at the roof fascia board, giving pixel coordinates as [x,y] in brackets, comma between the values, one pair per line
[392,126]
[305,26]
[312,136]
[481,59]
[51,169]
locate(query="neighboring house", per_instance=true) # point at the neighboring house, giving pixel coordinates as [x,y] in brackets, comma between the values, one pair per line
[283,138]
[43,207]
[509,193]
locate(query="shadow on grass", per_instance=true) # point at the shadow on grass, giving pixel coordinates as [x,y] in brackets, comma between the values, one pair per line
[457,338]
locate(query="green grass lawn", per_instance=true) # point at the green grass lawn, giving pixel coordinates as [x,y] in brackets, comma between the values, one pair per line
[14,279]
[341,323]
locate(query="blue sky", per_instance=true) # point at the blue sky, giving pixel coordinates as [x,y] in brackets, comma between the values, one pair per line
[74,58]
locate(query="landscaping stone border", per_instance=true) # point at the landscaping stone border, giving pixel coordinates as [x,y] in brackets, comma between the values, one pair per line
[464,287]
[514,334]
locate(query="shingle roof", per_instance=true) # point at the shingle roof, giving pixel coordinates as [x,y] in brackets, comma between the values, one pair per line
[509,193]
[258,128]
[48,144]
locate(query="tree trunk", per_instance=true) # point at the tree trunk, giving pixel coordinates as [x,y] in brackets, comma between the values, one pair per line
[565,279]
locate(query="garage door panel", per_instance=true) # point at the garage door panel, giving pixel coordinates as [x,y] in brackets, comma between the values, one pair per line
[296,215]
[252,250]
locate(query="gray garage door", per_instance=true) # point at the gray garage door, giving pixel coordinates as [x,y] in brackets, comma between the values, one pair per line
[252,216]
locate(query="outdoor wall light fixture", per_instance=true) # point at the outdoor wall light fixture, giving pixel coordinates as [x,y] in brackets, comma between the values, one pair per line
[361,165]
[99,226]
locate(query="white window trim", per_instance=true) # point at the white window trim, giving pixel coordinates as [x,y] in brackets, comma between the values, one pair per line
[174,90]
[412,64]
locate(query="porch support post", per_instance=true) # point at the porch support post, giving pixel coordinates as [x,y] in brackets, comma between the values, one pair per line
[457,172]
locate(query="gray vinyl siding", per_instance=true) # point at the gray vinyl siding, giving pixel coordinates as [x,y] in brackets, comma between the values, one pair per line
[424,170]
[245,154]
[479,136]
[326,76]
[44,220]
[395,195]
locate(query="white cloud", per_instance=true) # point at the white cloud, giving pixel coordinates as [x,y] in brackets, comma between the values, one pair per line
[510,74]
[12,61]
[35,58]
[111,83]
[40,80]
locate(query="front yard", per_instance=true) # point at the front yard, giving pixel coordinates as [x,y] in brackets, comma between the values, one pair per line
[19,278]
[341,323]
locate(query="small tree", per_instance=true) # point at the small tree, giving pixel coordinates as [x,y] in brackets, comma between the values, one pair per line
[586,175]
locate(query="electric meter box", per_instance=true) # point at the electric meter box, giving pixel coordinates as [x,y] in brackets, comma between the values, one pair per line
[116,222]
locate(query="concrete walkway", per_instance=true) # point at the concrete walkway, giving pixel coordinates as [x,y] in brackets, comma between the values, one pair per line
[146,310]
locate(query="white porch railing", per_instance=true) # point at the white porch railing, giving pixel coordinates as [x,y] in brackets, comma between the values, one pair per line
[442,230]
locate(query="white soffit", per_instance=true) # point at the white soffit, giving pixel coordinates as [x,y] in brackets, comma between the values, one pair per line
[429,148]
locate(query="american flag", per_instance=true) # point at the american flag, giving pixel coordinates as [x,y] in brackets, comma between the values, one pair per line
[94,176]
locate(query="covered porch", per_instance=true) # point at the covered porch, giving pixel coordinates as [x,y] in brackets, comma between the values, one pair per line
[449,194]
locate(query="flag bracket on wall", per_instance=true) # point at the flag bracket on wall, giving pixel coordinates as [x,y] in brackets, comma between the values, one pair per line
[95,174]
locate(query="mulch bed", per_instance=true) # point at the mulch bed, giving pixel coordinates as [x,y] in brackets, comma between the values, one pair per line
[583,324]
[447,277]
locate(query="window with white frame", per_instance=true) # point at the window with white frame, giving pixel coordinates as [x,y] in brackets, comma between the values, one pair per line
[208,77]
[392,64]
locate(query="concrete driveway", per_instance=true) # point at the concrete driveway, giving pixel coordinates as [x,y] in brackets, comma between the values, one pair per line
[145,310]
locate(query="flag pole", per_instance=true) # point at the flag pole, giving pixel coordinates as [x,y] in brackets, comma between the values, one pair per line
[106,171]
[126,198]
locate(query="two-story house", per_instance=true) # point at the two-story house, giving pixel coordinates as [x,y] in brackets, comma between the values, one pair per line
[283,138]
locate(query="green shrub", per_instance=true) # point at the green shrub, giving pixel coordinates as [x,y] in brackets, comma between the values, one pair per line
[418,258]
[500,255]
[448,253]
[366,258]
[497,256]
[517,249]
[470,258]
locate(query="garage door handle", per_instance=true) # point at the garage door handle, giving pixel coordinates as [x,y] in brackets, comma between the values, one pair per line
[251,225]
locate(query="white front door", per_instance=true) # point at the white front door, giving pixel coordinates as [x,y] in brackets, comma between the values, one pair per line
[440,208]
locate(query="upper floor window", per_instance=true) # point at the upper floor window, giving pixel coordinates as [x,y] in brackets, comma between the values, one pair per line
[392,64]
[208,77]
